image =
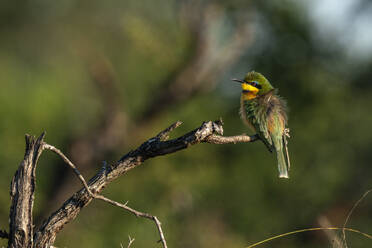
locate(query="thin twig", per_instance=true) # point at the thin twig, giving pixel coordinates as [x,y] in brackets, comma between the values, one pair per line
[136,213]
[310,230]
[218,140]
[158,224]
[130,241]
[76,171]
[163,135]
[350,213]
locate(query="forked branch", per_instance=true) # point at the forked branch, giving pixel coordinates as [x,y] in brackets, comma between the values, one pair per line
[101,197]
[208,132]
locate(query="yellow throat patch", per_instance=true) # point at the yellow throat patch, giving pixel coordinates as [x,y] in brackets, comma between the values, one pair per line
[249,91]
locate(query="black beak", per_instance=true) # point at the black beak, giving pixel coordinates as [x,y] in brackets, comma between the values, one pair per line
[238,80]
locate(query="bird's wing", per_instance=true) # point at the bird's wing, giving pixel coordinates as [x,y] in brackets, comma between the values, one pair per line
[276,119]
[257,115]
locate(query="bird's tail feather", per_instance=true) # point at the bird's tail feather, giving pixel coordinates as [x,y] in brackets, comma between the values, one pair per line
[282,164]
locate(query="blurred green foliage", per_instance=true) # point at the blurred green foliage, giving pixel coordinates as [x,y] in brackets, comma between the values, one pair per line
[207,195]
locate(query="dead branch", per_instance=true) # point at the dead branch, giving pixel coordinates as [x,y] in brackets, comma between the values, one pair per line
[153,147]
[23,185]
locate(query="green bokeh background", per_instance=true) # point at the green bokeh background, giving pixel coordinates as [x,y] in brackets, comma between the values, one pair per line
[65,65]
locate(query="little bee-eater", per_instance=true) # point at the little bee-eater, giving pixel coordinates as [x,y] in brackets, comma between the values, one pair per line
[264,111]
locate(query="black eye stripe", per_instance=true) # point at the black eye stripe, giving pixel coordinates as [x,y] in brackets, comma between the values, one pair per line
[255,84]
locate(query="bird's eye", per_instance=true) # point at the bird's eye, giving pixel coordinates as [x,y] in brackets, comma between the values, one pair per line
[255,84]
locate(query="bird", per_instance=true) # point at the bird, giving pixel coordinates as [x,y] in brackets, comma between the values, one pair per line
[265,112]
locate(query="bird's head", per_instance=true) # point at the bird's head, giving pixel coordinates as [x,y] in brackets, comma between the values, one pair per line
[254,84]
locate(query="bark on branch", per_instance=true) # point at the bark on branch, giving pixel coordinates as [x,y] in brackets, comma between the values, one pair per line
[23,185]
[22,195]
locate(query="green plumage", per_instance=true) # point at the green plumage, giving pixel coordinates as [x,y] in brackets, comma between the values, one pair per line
[265,112]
